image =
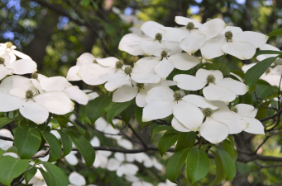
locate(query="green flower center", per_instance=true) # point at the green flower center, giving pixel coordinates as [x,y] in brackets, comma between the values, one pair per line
[95,61]
[2,60]
[9,44]
[210,79]
[207,112]
[128,70]
[28,94]
[177,95]
[164,54]
[158,37]
[228,35]
[234,109]
[190,26]
[119,64]
[34,75]
[140,86]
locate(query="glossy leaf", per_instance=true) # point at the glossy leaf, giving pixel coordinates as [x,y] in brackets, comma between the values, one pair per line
[11,168]
[55,175]
[185,140]
[116,110]
[219,169]
[197,164]
[159,129]
[27,141]
[55,145]
[226,145]
[228,164]
[29,174]
[275,32]
[4,121]
[95,108]
[67,143]
[127,114]
[138,115]
[84,147]
[166,141]
[175,164]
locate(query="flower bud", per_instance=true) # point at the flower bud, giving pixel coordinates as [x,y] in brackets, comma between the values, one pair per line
[234,109]
[164,54]
[28,94]
[210,79]
[2,61]
[9,44]
[34,75]
[140,85]
[207,112]
[128,70]
[228,35]
[158,37]
[190,26]
[119,64]
[177,95]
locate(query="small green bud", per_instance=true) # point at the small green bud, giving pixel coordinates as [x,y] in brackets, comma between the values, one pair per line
[207,112]
[119,64]
[28,94]
[128,70]
[34,75]
[190,26]
[2,60]
[210,79]
[164,54]
[228,35]
[140,85]
[234,109]
[9,44]
[177,95]
[158,37]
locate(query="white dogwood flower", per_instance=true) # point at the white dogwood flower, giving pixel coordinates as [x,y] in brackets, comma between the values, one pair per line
[167,183]
[137,181]
[219,88]
[101,159]
[248,114]
[162,102]
[232,40]
[9,48]
[261,57]
[77,179]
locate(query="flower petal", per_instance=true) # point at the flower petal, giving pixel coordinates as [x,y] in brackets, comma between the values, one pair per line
[85,58]
[160,93]
[214,131]
[147,28]
[23,66]
[241,50]
[55,102]
[72,74]
[193,41]
[108,62]
[183,61]
[77,95]
[116,80]
[56,83]
[131,43]
[124,93]
[254,126]
[10,103]
[234,29]
[76,179]
[188,82]
[5,71]
[213,92]
[245,110]
[203,74]
[21,55]
[164,68]
[254,38]
[157,110]
[237,87]
[213,47]
[34,112]
[113,164]
[184,21]
[198,101]
[212,28]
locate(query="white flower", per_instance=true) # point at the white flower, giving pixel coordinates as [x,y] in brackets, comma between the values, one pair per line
[4,144]
[102,125]
[137,181]
[9,48]
[71,158]
[76,179]
[261,57]
[119,165]
[22,94]
[162,102]
[37,179]
[167,183]
[148,161]
[101,159]
[89,69]
[248,114]
[233,41]
[219,88]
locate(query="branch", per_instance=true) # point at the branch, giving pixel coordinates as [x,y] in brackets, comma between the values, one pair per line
[140,139]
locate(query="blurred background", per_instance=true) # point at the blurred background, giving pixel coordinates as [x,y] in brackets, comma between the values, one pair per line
[56,32]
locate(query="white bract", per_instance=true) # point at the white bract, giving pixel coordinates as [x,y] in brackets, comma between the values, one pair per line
[232,40]
[219,88]
[262,57]
[101,159]
[9,48]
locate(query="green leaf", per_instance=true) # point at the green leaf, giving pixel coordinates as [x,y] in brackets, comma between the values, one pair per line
[228,164]
[116,110]
[185,140]
[254,73]
[267,52]
[84,147]
[246,98]
[95,108]
[231,140]
[219,169]
[127,114]
[67,143]
[138,115]
[218,66]
[167,140]
[2,152]
[55,175]
[63,120]
[175,164]
[27,141]
[263,90]
[275,32]
[226,145]
[159,129]
[4,121]
[197,164]
[11,168]
[29,174]
[55,145]
[262,111]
